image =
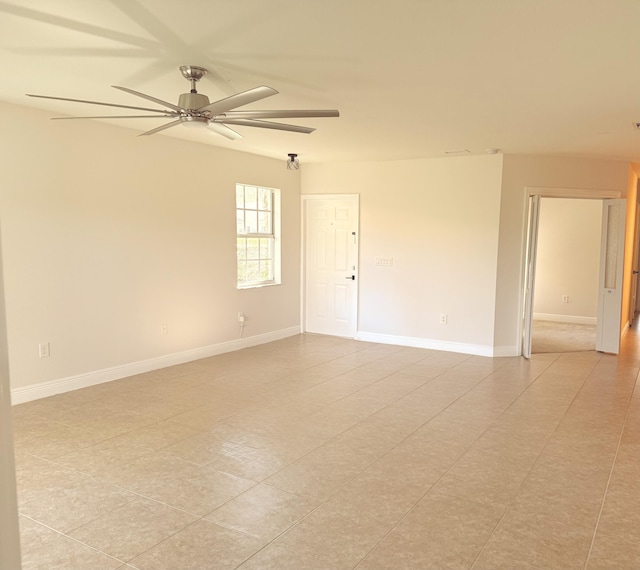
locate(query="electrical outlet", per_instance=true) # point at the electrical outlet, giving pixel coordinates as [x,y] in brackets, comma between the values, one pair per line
[241,317]
[164,328]
[565,298]
[443,319]
[44,350]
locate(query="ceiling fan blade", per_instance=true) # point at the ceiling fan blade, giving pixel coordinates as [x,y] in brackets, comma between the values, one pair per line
[267,125]
[224,131]
[283,114]
[95,103]
[239,99]
[150,98]
[114,117]
[161,128]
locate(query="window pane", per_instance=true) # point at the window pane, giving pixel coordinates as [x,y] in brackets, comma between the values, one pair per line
[265,248]
[242,271]
[253,271]
[265,270]
[253,248]
[264,222]
[242,248]
[264,199]
[239,196]
[240,228]
[251,197]
[251,221]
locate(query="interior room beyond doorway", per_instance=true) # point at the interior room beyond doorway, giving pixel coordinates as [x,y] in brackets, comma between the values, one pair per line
[566,284]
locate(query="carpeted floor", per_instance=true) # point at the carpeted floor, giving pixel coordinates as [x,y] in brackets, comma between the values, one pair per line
[550,336]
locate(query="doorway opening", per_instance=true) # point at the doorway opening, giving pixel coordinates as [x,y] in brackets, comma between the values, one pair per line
[610,271]
[565,299]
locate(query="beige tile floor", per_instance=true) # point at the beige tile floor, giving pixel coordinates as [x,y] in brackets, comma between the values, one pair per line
[322,453]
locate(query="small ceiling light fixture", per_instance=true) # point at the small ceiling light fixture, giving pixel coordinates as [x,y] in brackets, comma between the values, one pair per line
[293,163]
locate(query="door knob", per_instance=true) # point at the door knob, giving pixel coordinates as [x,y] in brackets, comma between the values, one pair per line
[352,277]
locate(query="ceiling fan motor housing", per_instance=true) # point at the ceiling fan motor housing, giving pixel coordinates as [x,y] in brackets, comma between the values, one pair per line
[193,101]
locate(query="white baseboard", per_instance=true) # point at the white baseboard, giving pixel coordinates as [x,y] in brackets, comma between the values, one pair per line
[565,319]
[475,349]
[59,386]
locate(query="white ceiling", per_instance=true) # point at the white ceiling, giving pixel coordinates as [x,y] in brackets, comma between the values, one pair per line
[411,78]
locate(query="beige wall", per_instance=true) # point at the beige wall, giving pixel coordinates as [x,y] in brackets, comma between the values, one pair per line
[438,220]
[107,235]
[568,261]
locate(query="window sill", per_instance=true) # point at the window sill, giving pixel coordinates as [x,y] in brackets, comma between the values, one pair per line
[257,285]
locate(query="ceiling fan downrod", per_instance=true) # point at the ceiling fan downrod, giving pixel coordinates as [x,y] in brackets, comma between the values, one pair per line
[193,73]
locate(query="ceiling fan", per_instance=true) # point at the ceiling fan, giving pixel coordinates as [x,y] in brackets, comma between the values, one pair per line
[195,110]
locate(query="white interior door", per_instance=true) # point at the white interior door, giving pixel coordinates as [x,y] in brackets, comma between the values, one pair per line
[611,268]
[330,269]
[530,272]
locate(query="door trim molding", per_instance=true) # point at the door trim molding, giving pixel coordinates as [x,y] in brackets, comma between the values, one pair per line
[582,193]
[548,192]
[305,198]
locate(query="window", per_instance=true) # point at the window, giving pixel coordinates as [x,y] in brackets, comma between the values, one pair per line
[257,229]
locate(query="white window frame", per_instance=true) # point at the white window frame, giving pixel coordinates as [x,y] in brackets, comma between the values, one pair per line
[273,235]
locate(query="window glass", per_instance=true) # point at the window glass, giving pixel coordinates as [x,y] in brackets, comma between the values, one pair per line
[257,240]
[251,198]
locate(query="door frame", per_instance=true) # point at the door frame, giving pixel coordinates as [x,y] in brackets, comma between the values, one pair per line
[525,277]
[305,199]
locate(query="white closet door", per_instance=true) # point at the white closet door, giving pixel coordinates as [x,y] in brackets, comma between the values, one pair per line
[611,271]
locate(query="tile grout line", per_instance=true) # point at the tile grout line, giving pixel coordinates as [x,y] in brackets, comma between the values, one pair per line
[139,495]
[142,496]
[200,518]
[62,534]
[368,466]
[157,420]
[495,528]
[98,478]
[452,465]
[613,465]
[350,427]
[326,500]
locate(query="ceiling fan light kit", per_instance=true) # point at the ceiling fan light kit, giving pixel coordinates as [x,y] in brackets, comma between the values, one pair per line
[195,110]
